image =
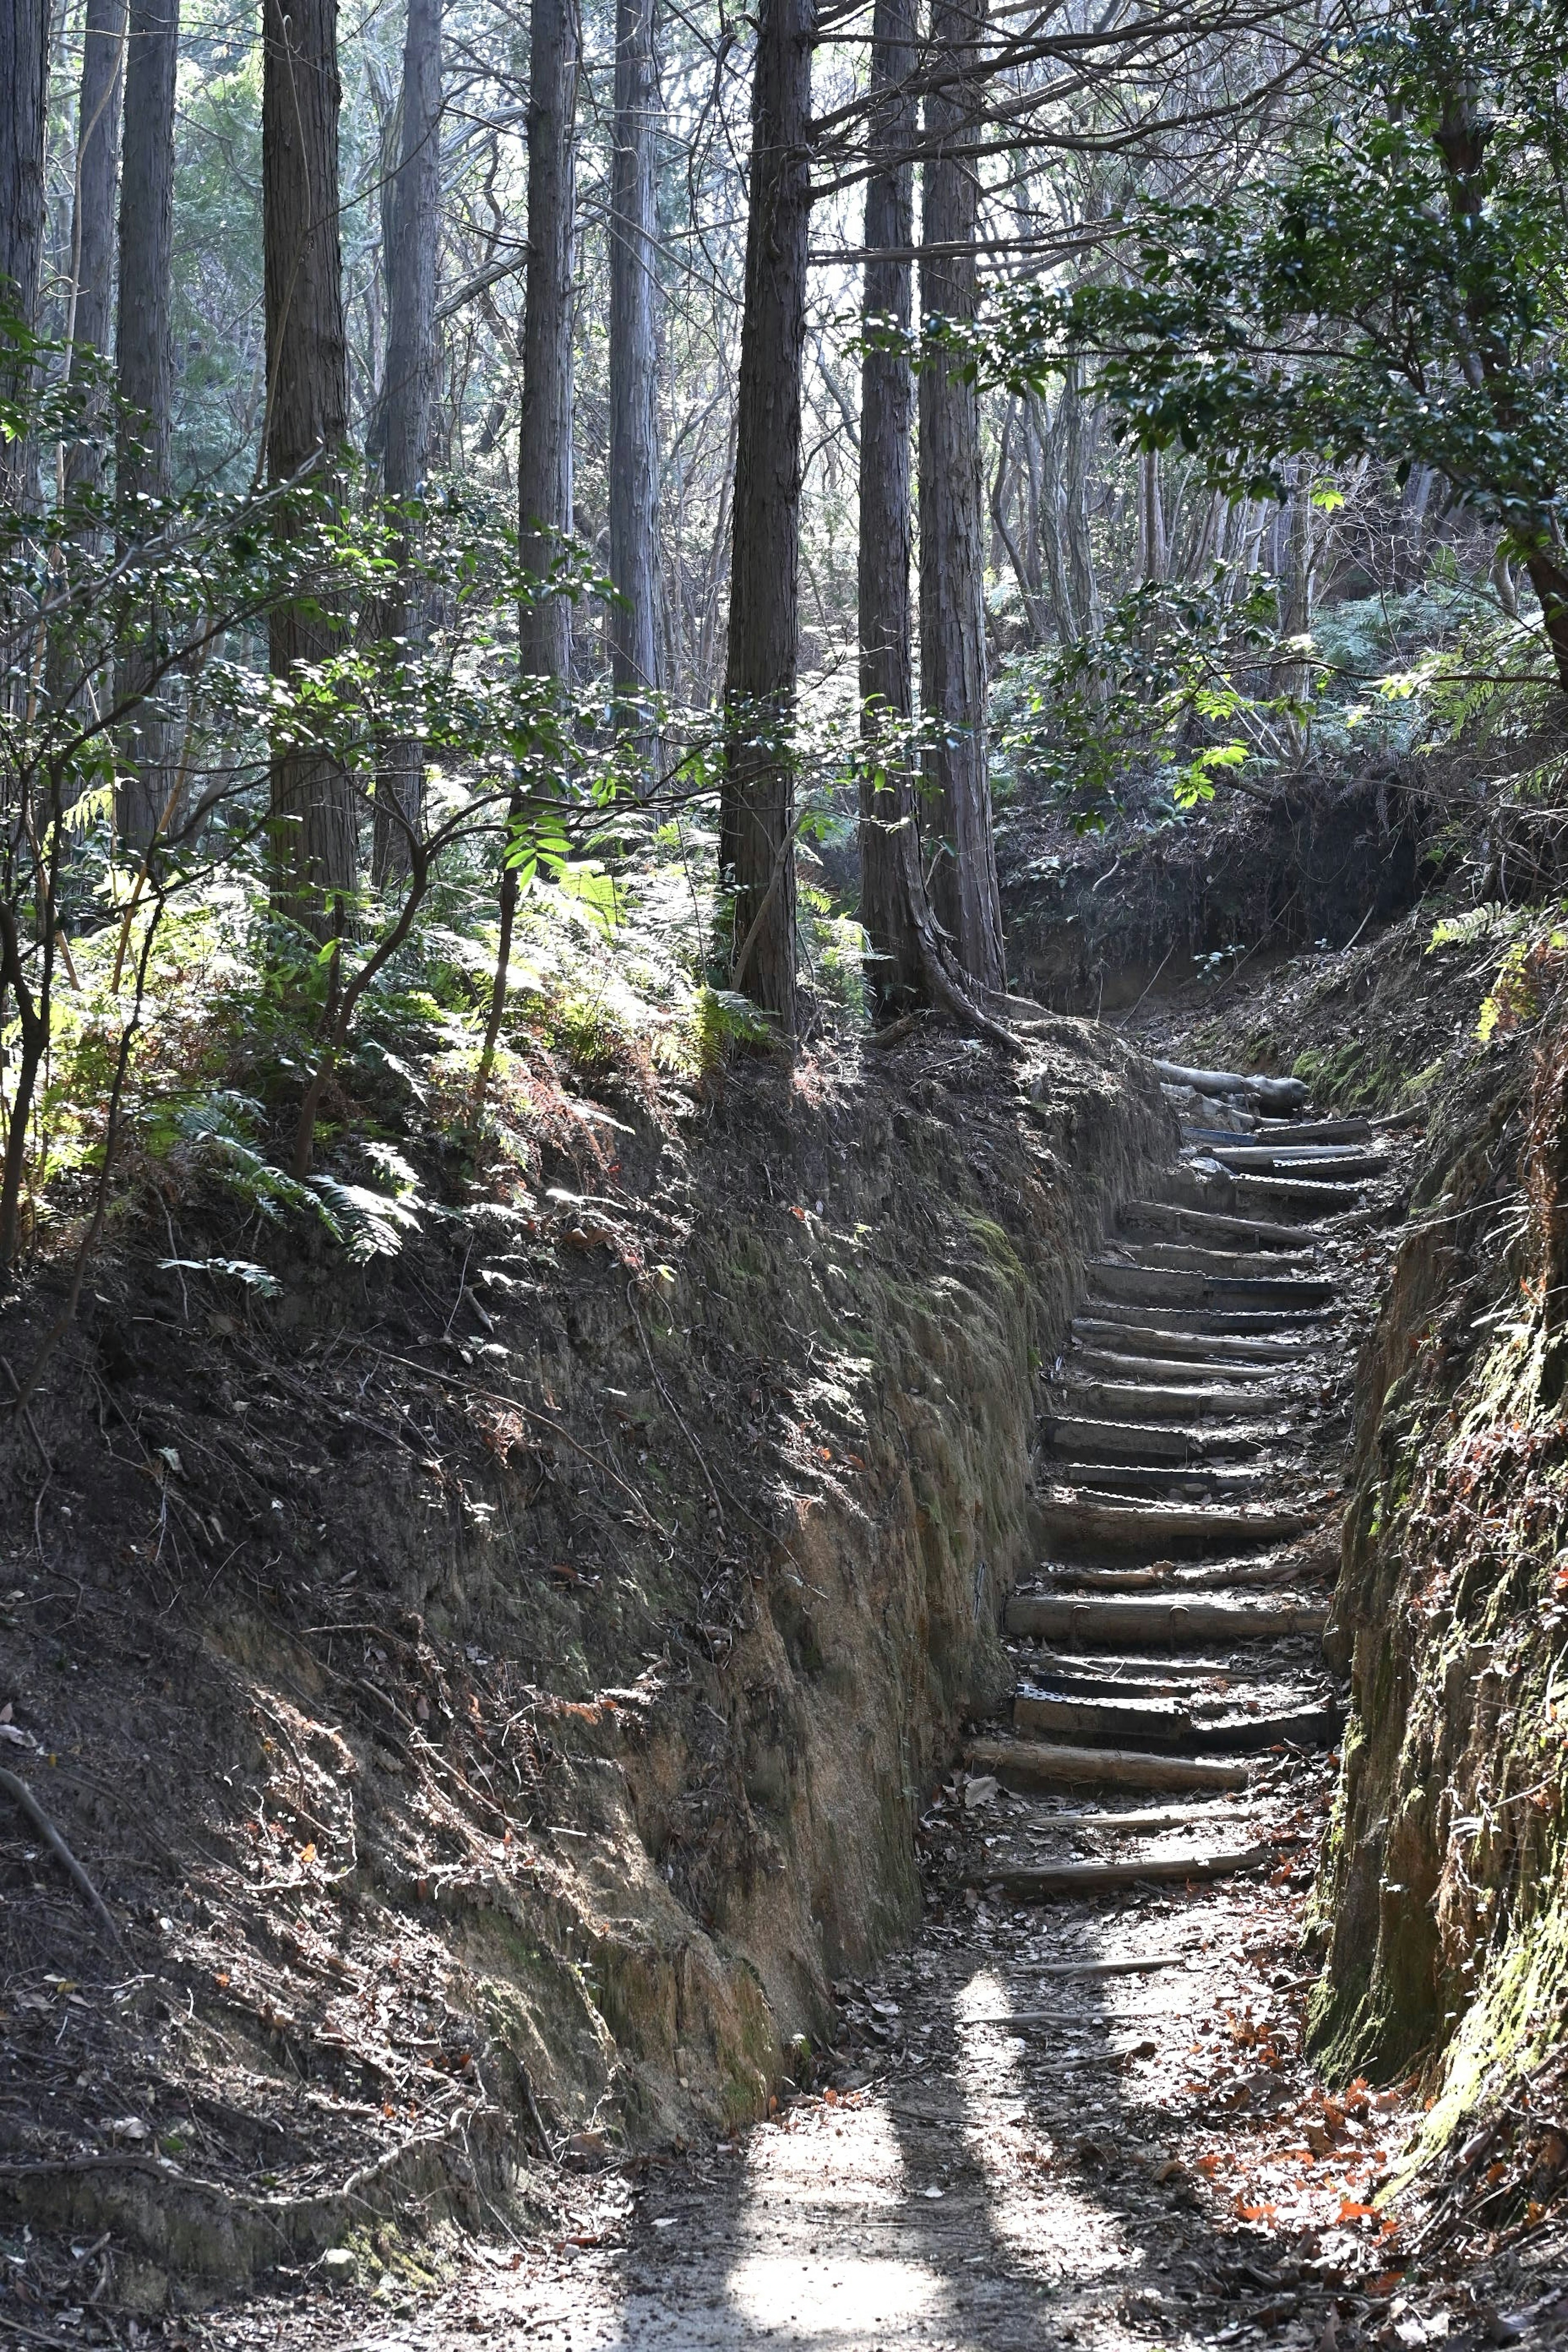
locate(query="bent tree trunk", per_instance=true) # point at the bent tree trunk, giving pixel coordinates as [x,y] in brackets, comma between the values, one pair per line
[757,814]
[412,253]
[634,443]
[890,884]
[545,449]
[964,886]
[144,367]
[315,848]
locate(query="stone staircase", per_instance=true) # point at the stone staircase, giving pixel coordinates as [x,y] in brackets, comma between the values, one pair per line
[1188,1513]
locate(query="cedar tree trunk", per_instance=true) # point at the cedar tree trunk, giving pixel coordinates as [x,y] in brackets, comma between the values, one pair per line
[411,355]
[756,817]
[144,363]
[634,359]
[890,840]
[544,452]
[314,832]
[953,517]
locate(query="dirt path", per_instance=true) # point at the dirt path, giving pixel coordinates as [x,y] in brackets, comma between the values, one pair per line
[1075,2112]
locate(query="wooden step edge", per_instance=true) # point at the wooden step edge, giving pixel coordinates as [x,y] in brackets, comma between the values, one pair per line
[1102,1877]
[1106,1616]
[1052,1764]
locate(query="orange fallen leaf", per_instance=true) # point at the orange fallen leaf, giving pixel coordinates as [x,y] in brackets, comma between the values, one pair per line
[1245,2212]
[1350,2210]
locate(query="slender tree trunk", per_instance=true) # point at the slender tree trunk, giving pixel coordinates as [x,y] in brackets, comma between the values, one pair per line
[144,363]
[891,885]
[24,80]
[1152,554]
[315,845]
[544,452]
[634,360]
[756,819]
[964,890]
[415,221]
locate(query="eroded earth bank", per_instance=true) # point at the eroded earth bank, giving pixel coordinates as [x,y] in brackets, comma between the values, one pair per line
[735,1744]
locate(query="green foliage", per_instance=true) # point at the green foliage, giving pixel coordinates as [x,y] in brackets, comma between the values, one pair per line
[1398,293]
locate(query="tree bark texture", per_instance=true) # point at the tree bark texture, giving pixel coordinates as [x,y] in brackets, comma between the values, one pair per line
[88,312]
[411,356]
[890,881]
[92,208]
[756,827]
[144,360]
[24,79]
[314,832]
[964,886]
[544,452]
[634,358]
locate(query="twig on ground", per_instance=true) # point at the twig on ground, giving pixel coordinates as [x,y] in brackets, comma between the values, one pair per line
[23,1797]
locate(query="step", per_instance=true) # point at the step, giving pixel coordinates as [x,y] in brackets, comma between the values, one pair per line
[1140,1822]
[1276,1195]
[1188,1257]
[1120,1326]
[1266,1572]
[1153,1722]
[1052,1764]
[1209,1226]
[1149,1401]
[1172,1725]
[1143,1371]
[1164,1530]
[1159,1482]
[1072,1438]
[1043,1878]
[1148,1286]
[1180,1617]
[1322,1163]
[1316,1130]
[1173,1674]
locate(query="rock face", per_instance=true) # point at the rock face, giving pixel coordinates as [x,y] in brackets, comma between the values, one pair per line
[545,1683]
[1441,1908]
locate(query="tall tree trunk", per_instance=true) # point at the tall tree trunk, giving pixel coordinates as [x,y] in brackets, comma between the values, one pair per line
[415,221]
[25,78]
[544,451]
[73,654]
[144,362]
[891,885]
[953,516]
[756,817]
[92,210]
[634,359]
[315,846]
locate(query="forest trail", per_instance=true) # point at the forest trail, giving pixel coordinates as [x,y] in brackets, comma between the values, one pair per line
[1076,2111]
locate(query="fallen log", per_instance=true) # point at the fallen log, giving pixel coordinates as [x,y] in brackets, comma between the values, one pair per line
[1118,1619]
[1273,1094]
[1043,1764]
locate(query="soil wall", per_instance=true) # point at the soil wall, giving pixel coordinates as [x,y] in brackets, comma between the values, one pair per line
[491,1684]
[1441,1912]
